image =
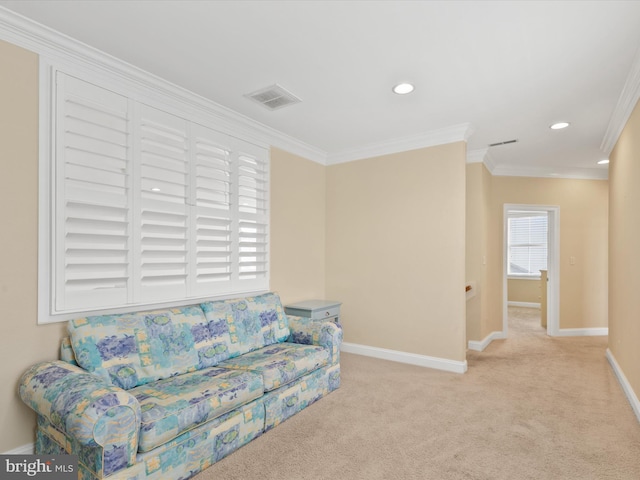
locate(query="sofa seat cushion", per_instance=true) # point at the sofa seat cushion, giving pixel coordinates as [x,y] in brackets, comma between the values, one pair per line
[173,406]
[280,363]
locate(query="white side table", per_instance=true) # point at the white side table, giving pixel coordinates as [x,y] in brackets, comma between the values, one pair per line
[315,310]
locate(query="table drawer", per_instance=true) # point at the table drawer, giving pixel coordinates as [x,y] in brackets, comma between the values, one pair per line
[325,313]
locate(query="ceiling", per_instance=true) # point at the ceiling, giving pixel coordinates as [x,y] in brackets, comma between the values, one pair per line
[510,69]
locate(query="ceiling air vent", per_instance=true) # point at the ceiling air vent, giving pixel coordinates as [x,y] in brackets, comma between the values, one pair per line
[507,142]
[273,97]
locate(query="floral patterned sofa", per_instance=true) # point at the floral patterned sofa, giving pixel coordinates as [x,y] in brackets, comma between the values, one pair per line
[164,394]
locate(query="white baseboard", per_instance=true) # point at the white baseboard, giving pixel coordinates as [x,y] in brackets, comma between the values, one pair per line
[523,304]
[582,332]
[404,357]
[624,383]
[28,449]
[479,346]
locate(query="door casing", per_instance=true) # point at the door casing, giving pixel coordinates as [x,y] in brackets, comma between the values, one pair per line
[553,265]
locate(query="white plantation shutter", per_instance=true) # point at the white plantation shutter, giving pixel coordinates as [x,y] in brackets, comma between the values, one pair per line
[253,180]
[213,246]
[92,218]
[164,213]
[527,247]
[150,207]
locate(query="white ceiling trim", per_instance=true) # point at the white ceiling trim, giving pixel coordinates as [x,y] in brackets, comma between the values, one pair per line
[626,103]
[481,155]
[26,33]
[477,156]
[547,172]
[489,162]
[455,133]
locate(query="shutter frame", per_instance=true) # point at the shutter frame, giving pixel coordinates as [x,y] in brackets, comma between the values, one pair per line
[179,247]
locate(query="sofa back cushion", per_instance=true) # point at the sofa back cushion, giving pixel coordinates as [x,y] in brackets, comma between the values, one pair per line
[137,348]
[247,324]
[273,321]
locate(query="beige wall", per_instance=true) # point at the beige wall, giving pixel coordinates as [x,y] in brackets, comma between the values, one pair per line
[298,198]
[22,342]
[480,258]
[520,290]
[396,250]
[583,235]
[478,195]
[474,247]
[624,255]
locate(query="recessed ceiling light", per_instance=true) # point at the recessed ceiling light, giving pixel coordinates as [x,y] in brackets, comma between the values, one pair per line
[559,125]
[155,189]
[403,88]
[603,162]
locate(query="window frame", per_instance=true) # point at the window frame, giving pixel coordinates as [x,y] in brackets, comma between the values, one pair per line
[159,99]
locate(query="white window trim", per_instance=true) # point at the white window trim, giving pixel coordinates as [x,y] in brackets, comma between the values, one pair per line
[180,105]
[523,276]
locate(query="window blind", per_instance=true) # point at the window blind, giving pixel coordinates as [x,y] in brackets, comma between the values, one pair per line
[149,206]
[528,238]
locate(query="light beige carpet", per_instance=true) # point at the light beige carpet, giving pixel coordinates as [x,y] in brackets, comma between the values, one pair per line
[530,407]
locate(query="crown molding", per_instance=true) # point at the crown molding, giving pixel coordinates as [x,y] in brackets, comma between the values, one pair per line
[578,173]
[489,162]
[481,155]
[626,103]
[476,156]
[455,133]
[64,50]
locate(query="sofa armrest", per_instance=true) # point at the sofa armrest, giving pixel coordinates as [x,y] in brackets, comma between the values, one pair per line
[84,407]
[313,332]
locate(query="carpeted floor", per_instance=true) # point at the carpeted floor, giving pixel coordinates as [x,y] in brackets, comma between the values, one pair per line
[530,407]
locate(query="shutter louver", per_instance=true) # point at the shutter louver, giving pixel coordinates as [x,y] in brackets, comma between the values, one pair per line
[213,216]
[253,195]
[164,219]
[93,196]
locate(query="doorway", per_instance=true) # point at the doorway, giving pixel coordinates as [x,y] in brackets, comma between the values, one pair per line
[553,263]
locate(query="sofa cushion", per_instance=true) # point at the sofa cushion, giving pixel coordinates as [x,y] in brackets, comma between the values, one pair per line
[175,405]
[136,348]
[247,324]
[233,324]
[273,321]
[280,363]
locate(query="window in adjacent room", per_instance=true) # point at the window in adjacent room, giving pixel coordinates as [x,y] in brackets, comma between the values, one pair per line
[527,243]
